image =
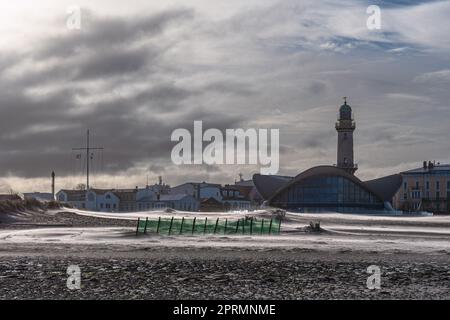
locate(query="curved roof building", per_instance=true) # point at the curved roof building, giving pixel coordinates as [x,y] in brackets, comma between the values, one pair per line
[328,188]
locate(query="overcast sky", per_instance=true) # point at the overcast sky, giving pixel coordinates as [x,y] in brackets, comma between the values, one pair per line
[137,70]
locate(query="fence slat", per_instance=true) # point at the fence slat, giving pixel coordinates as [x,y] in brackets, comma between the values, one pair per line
[159,223]
[145,227]
[193,225]
[137,228]
[204,228]
[181,228]
[215,227]
[170,227]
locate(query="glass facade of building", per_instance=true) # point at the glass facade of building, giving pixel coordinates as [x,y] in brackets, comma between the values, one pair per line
[327,193]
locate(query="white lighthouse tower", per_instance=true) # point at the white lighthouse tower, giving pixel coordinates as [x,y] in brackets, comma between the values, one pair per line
[345,127]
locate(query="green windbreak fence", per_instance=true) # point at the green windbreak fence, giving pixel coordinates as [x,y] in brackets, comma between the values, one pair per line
[195,226]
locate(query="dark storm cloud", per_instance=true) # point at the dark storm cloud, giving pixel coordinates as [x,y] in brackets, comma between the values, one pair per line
[134,79]
[127,141]
[116,125]
[317,88]
[228,86]
[104,46]
[106,64]
[108,32]
[45,126]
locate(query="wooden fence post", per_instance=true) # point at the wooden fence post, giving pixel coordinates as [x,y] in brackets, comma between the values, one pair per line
[270,226]
[157,227]
[145,227]
[226,223]
[170,227]
[262,226]
[279,226]
[251,226]
[204,228]
[215,227]
[237,225]
[243,226]
[182,222]
[137,228]
[193,225]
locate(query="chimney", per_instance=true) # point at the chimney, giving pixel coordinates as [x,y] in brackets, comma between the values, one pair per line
[158,196]
[160,180]
[424,164]
[53,185]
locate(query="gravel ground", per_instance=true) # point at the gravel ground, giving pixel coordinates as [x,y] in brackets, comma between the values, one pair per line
[228,278]
[154,270]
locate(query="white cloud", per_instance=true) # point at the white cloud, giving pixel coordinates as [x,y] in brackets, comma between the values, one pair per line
[441,76]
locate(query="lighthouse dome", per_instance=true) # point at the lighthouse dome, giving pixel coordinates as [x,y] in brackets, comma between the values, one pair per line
[345,112]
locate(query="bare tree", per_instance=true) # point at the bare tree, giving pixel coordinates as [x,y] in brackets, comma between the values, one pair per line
[80,186]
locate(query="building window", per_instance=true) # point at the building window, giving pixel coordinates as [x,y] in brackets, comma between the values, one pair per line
[438,195]
[405,185]
[405,196]
[428,185]
[448,185]
[415,194]
[417,184]
[327,192]
[437,185]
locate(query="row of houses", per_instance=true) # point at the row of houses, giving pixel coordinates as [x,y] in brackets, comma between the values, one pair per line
[426,188]
[190,196]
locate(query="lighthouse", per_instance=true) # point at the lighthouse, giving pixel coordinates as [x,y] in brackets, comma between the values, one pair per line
[345,126]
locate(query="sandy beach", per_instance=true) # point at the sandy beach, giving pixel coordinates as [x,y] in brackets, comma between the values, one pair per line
[413,254]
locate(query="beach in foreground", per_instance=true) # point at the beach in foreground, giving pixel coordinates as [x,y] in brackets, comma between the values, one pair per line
[412,253]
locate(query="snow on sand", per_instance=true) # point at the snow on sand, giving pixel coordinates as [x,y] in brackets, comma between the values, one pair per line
[428,234]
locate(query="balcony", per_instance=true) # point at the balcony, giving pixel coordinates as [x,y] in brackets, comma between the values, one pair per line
[347,166]
[345,124]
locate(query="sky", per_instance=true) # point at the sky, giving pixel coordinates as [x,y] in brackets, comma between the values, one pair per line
[137,70]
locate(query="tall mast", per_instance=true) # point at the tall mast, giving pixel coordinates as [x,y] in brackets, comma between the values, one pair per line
[88,149]
[88,160]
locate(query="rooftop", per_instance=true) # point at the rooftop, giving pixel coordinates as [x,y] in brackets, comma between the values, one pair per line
[172,197]
[436,168]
